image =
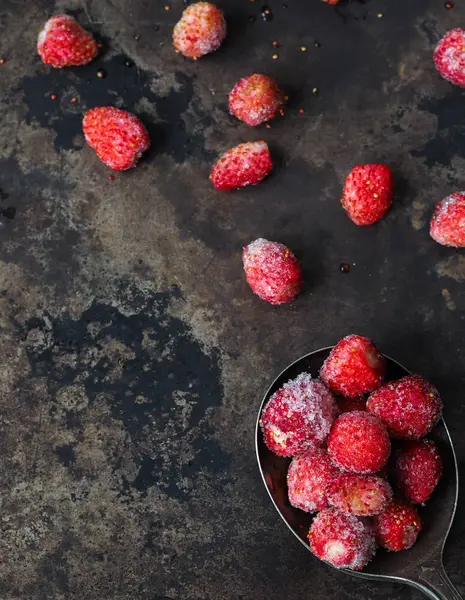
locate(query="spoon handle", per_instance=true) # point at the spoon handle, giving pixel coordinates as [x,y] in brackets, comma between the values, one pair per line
[437,585]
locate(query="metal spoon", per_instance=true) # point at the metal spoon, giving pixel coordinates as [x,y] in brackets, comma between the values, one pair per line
[420,567]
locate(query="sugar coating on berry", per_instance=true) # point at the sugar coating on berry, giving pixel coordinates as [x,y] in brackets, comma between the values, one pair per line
[354,367]
[64,43]
[449,56]
[308,478]
[360,495]
[201,30]
[118,137]
[417,470]
[345,541]
[298,417]
[272,271]
[368,193]
[243,165]
[359,443]
[255,99]
[351,404]
[447,225]
[397,528]
[409,407]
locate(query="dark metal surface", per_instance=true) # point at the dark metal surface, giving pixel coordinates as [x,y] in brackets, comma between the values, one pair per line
[437,516]
[133,353]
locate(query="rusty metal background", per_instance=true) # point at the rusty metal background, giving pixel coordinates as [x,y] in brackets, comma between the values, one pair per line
[133,354]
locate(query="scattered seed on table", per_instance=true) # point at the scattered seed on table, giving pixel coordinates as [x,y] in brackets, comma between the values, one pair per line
[266,14]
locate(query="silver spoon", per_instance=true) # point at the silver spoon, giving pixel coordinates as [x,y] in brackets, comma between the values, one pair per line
[420,567]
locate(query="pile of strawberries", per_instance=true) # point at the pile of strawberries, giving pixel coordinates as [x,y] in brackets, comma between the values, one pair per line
[120,139]
[339,429]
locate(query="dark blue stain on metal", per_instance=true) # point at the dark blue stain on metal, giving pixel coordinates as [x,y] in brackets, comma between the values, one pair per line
[152,373]
[450,139]
[66,454]
[122,87]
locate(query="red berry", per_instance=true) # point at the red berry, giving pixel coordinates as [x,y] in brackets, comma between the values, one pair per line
[368,193]
[308,478]
[449,57]
[255,99]
[360,495]
[409,407]
[354,367]
[345,541]
[358,442]
[397,528]
[417,470]
[201,30]
[448,223]
[332,1]
[272,271]
[298,416]
[64,43]
[351,404]
[118,137]
[246,164]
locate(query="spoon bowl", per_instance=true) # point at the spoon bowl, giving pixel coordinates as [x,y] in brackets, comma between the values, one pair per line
[420,566]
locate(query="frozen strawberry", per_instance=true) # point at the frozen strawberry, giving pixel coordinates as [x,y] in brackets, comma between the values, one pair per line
[368,193]
[64,43]
[354,367]
[359,443]
[298,416]
[351,404]
[246,164]
[448,223]
[409,407]
[118,137]
[308,478]
[417,470]
[345,541]
[360,495]
[272,271]
[255,99]
[397,528]
[201,30]
[449,57]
